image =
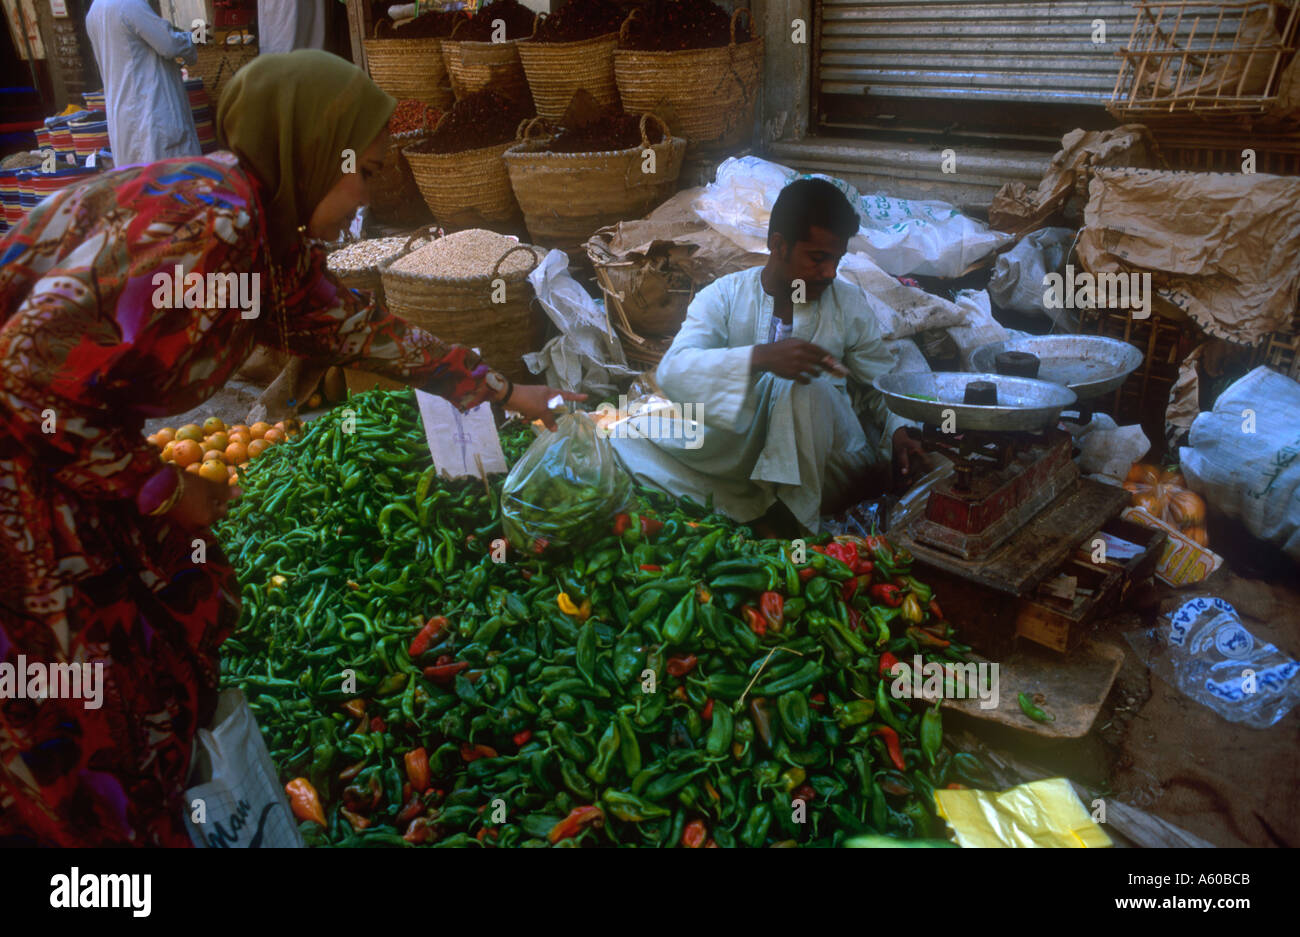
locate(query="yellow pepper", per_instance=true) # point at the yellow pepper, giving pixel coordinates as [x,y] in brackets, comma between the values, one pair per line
[912,610]
[566,605]
[793,777]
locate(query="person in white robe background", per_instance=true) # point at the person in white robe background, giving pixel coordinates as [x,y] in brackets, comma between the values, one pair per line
[149,116]
[763,357]
[286,25]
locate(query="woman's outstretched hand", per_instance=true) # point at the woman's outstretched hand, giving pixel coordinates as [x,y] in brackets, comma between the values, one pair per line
[531,401]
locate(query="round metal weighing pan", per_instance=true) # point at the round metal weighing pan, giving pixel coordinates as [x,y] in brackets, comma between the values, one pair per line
[1023,405]
[1090,365]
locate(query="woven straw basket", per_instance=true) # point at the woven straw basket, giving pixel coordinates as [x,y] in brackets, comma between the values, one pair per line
[394,197]
[217,61]
[467,188]
[644,302]
[461,310]
[555,70]
[475,66]
[408,69]
[567,196]
[707,95]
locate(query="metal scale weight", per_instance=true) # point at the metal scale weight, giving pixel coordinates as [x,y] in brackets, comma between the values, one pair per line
[999,527]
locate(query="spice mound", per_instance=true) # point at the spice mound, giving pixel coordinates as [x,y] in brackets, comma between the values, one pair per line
[465,254]
[673,25]
[435,25]
[412,115]
[610,132]
[481,119]
[578,20]
[518,20]
[364,254]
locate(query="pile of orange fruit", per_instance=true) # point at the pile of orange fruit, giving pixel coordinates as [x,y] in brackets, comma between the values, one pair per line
[218,452]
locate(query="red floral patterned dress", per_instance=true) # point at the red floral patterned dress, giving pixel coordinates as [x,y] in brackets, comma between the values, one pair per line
[85,359]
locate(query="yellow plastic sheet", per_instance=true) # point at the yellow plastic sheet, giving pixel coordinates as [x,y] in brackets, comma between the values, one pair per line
[1043,813]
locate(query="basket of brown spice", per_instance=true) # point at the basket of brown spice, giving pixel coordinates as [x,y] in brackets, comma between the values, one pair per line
[407,61]
[479,56]
[395,199]
[458,168]
[472,288]
[572,48]
[665,64]
[583,178]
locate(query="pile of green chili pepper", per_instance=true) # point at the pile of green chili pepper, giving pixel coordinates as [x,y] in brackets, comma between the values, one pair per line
[677,683]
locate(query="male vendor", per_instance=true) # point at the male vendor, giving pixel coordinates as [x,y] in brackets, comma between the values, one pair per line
[763,356]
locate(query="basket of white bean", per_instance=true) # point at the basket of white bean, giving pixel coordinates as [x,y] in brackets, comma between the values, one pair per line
[472,288]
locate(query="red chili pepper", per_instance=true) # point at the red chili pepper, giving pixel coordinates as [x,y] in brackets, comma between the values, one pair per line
[350,772]
[817,700]
[772,605]
[522,738]
[357,821]
[887,594]
[679,692]
[707,712]
[476,752]
[445,673]
[377,725]
[891,743]
[818,548]
[473,675]
[935,610]
[806,573]
[846,553]
[954,786]
[847,589]
[681,666]
[650,568]
[805,793]
[711,845]
[925,638]
[621,523]
[650,526]
[864,566]
[887,663]
[695,834]
[417,768]
[855,619]
[420,831]
[579,819]
[414,808]
[426,635]
[757,623]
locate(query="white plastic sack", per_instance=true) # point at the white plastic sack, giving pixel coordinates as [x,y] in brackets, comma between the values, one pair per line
[1017,280]
[1242,457]
[584,357]
[240,804]
[978,326]
[1108,449]
[901,236]
[903,311]
[907,357]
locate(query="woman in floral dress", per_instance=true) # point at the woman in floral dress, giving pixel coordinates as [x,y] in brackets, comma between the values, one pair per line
[97,542]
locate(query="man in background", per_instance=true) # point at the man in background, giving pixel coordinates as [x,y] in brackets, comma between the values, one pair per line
[286,25]
[149,116]
[779,360]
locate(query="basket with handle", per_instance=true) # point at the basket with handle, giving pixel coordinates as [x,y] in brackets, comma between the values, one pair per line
[370,278]
[408,69]
[217,61]
[475,66]
[394,196]
[465,188]
[565,197]
[707,95]
[461,310]
[555,70]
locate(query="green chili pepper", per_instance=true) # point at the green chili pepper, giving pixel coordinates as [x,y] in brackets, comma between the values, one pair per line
[720,733]
[606,749]
[630,808]
[1035,713]
[932,732]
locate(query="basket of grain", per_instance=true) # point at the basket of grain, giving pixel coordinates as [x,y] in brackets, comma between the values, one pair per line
[472,288]
[555,70]
[474,65]
[410,67]
[356,266]
[707,95]
[565,196]
[468,186]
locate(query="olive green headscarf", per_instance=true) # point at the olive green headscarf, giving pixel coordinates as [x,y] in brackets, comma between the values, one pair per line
[288,117]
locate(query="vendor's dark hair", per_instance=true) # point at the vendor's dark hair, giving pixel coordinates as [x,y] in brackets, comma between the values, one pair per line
[808,203]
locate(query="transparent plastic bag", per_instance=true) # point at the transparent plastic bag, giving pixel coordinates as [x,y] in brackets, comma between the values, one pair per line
[1203,649]
[564,491]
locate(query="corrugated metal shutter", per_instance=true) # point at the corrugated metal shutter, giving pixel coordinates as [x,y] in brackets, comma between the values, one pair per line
[1020,50]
